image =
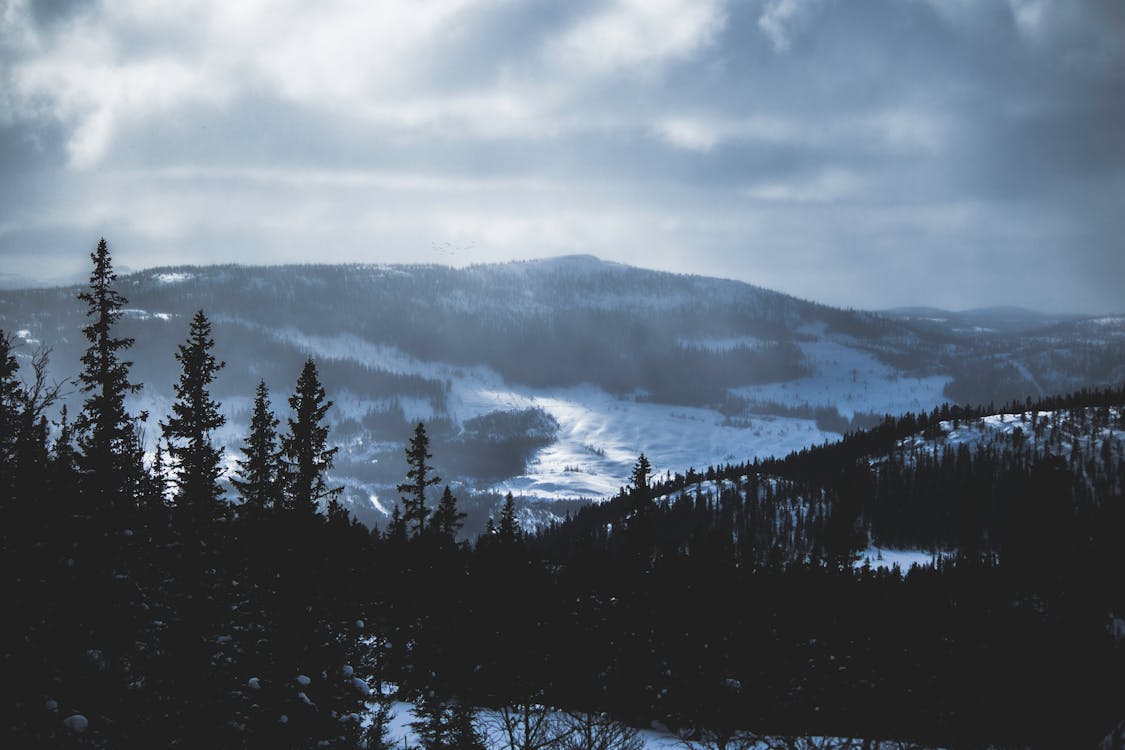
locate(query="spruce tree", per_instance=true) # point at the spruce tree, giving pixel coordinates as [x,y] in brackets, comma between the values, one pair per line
[509,531]
[195,417]
[447,520]
[638,527]
[307,457]
[396,529]
[419,478]
[106,431]
[258,477]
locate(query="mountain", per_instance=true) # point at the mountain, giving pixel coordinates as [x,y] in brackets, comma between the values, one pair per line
[547,378]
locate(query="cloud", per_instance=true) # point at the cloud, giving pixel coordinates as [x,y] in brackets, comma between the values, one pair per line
[781,19]
[632,33]
[805,144]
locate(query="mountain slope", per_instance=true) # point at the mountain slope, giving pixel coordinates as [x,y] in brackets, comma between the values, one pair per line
[547,378]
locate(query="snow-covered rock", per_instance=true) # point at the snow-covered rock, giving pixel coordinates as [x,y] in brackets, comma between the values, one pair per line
[76,723]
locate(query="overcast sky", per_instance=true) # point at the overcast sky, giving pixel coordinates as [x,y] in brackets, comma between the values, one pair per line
[868,153]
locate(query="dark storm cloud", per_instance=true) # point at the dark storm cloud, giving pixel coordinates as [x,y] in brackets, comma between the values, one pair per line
[971,151]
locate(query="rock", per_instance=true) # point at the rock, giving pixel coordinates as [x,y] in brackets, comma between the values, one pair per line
[76,723]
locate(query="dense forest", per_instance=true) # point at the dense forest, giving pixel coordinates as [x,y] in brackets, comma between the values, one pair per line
[145,606]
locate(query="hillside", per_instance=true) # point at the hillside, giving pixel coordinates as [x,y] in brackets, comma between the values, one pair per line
[912,490]
[547,378]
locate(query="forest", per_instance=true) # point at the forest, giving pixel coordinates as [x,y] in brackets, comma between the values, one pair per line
[150,603]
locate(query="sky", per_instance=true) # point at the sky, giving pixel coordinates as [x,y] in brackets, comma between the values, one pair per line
[862,153]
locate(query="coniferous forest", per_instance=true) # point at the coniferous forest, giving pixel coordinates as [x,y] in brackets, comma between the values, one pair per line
[153,599]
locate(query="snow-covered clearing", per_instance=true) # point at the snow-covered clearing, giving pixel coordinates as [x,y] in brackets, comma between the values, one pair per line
[851,380]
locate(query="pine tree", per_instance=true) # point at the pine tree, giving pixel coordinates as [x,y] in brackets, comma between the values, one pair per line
[195,416]
[638,528]
[306,455]
[509,531]
[106,431]
[447,520]
[259,473]
[158,477]
[396,529]
[419,478]
[63,463]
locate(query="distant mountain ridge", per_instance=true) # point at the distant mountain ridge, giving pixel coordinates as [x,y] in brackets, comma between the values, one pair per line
[548,377]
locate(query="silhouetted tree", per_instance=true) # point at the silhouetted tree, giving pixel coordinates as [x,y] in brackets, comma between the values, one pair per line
[638,528]
[447,520]
[196,462]
[508,531]
[419,477]
[259,472]
[305,448]
[107,438]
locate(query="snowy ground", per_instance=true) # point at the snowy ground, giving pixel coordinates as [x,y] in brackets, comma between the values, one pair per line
[882,557]
[984,431]
[851,380]
[600,435]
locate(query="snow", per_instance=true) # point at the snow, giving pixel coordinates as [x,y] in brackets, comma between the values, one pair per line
[882,557]
[600,435]
[173,278]
[303,680]
[136,313]
[984,431]
[76,723]
[851,380]
[722,344]
[25,336]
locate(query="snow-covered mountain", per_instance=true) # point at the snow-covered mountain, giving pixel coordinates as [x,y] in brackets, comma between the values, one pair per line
[547,378]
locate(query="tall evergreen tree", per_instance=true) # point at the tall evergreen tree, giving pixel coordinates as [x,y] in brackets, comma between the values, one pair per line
[509,531]
[195,417]
[307,457]
[418,479]
[638,527]
[106,431]
[259,472]
[447,520]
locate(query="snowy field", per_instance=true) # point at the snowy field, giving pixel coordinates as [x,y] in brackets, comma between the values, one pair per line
[851,380]
[600,435]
